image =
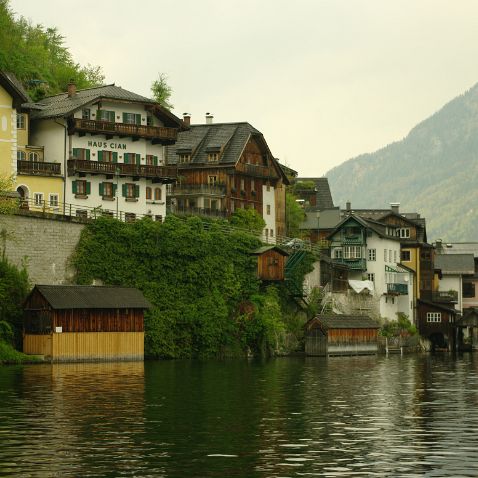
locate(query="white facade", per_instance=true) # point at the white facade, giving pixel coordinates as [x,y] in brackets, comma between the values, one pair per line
[453,283]
[85,191]
[269,213]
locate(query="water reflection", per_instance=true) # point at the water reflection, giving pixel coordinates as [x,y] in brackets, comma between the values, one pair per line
[358,416]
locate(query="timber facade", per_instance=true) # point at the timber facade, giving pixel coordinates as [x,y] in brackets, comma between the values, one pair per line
[77,323]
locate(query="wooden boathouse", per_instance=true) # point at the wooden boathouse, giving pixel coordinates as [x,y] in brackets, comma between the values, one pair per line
[81,323]
[271,262]
[341,335]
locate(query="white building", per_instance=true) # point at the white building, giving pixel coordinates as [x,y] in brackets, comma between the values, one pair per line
[111,143]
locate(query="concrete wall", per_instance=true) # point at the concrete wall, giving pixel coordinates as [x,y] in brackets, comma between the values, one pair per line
[44,245]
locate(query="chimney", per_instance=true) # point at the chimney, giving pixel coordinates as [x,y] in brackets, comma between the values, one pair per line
[209,118]
[71,88]
[395,207]
[187,119]
[348,206]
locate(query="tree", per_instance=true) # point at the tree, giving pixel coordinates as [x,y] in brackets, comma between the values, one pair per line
[162,91]
[294,215]
[248,219]
[8,203]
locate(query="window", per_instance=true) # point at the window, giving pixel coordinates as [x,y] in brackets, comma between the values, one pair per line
[390,255]
[32,156]
[404,232]
[149,193]
[38,199]
[212,180]
[468,290]
[268,209]
[385,255]
[158,218]
[131,118]
[338,253]
[21,156]
[85,113]
[352,252]
[81,188]
[243,187]
[405,256]
[211,157]
[253,185]
[82,153]
[185,158]
[157,194]
[21,121]
[130,217]
[268,187]
[103,115]
[53,200]
[149,120]
[395,256]
[107,190]
[372,254]
[132,158]
[371,276]
[151,160]
[130,191]
[272,233]
[433,316]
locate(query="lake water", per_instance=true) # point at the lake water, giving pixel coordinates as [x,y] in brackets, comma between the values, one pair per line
[289,417]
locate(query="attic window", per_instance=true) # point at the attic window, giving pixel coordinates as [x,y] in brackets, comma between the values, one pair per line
[185,158]
[211,157]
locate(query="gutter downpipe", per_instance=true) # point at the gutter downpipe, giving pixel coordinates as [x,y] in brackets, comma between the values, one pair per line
[64,164]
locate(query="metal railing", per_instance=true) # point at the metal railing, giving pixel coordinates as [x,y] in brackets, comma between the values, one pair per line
[445,296]
[396,288]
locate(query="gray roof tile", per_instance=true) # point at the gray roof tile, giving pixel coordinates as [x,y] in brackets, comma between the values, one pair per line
[455,263]
[343,322]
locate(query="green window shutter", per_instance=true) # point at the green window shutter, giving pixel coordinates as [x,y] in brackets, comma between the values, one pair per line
[124,117]
[100,155]
[75,152]
[124,191]
[73,187]
[87,154]
[114,189]
[136,191]
[111,116]
[155,160]
[88,187]
[102,189]
[126,158]
[98,115]
[138,159]
[138,119]
[115,157]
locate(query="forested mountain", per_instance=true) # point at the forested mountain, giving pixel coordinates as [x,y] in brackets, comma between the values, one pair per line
[434,171]
[37,56]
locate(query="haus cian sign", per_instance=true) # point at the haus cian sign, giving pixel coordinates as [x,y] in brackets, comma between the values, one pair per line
[105,144]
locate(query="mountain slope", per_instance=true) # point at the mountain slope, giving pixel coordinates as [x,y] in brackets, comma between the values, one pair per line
[433,171]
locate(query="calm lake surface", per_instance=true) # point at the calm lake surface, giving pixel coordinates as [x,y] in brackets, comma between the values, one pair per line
[289,417]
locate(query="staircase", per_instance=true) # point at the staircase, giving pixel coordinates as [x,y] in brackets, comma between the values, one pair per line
[294,286]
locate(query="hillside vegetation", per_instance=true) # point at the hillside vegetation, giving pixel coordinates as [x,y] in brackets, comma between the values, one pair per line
[432,171]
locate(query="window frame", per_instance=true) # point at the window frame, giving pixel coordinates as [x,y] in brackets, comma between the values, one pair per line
[21,121]
[372,255]
[53,199]
[38,199]
[434,317]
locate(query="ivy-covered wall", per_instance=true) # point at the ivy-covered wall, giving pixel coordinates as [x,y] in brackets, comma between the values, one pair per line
[201,280]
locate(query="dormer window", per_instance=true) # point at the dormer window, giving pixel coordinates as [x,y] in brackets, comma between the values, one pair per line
[404,232]
[185,158]
[212,157]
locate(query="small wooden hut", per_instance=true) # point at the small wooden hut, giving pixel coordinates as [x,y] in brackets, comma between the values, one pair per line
[341,335]
[270,263]
[77,323]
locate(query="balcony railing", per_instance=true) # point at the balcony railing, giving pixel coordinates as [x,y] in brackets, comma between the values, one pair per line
[198,190]
[398,289]
[256,170]
[159,134]
[197,211]
[166,174]
[38,168]
[445,296]
[354,264]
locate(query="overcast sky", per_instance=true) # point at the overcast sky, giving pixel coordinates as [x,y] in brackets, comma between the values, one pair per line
[323,80]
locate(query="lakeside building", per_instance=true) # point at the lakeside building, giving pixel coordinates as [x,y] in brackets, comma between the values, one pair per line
[226,166]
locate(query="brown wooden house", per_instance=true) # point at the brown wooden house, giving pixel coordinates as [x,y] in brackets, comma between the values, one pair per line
[341,335]
[226,166]
[76,323]
[271,262]
[436,322]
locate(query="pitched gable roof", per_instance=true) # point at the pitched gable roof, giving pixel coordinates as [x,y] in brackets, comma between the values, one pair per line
[342,322]
[62,105]
[323,194]
[92,297]
[14,88]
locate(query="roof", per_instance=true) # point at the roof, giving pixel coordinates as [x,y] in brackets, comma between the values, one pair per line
[62,105]
[92,297]
[263,249]
[323,195]
[469,319]
[437,306]
[455,264]
[457,248]
[14,87]
[342,322]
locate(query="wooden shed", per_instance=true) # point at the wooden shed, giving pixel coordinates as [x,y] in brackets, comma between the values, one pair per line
[78,323]
[341,335]
[270,263]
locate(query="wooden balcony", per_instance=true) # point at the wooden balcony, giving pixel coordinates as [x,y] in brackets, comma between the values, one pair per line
[255,170]
[38,168]
[217,190]
[444,296]
[157,134]
[163,174]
